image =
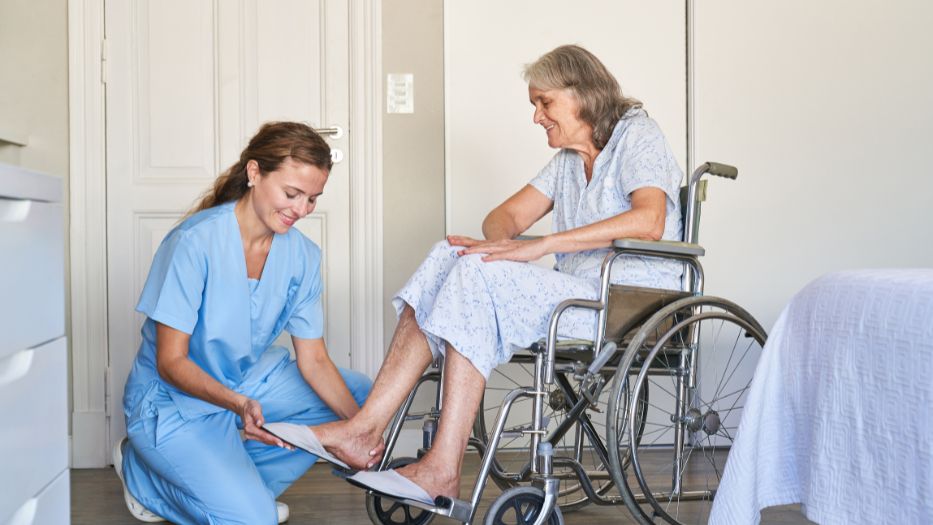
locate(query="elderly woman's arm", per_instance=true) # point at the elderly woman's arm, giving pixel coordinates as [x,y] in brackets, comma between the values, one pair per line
[644,221]
[516,214]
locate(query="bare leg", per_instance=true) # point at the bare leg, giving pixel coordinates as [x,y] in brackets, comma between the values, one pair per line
[354,440]
[438,472]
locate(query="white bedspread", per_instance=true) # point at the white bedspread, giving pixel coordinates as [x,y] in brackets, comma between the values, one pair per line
[839,413]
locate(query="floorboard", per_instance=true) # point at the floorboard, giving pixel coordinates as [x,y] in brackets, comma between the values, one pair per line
[321,498]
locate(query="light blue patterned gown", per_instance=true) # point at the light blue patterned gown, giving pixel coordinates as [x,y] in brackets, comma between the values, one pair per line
[487,310]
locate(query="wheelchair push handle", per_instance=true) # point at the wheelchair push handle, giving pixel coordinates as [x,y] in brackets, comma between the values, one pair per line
[721,170]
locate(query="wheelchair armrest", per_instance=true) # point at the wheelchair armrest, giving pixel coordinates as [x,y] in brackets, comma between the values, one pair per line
[659,248]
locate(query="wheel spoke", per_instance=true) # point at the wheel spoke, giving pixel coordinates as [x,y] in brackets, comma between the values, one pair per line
[725,357]
[744,354]
[710,457]
[728,362]
[656,384]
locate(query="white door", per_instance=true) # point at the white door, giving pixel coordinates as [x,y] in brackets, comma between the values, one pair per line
[188,82]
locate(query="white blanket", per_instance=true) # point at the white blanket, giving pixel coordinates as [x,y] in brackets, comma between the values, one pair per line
[839,413]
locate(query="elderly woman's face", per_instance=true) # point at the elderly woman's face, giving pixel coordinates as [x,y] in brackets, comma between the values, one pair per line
[557,111]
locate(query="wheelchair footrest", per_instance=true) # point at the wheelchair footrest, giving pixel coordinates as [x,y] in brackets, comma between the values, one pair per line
[456,509]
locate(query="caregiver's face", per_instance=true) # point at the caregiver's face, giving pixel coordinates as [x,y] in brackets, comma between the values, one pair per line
[283,196]
[557,110]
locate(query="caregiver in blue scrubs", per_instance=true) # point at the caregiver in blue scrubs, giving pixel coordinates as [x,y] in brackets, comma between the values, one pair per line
[223,285]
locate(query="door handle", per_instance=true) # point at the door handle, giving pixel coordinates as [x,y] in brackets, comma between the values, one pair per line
[334,132]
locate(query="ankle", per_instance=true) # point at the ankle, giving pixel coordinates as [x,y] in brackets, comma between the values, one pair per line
[441,468]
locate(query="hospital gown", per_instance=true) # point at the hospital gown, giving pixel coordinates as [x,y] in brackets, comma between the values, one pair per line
[186,460]
[486,310]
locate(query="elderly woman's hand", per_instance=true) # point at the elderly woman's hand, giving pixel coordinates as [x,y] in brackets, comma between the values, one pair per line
[502,250]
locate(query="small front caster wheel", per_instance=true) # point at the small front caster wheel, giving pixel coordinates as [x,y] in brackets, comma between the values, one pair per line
[520,506]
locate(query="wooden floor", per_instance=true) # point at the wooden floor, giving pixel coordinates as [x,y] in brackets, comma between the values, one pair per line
[319,497]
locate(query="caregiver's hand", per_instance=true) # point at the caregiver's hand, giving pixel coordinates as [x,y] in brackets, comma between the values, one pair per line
[250,412]
[502,250]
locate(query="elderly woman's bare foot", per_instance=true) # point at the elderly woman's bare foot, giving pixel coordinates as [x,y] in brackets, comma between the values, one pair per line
[358,446]
[436,480]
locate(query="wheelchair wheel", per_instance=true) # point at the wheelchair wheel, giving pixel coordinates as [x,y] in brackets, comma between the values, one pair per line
[390,512]
[520,506]
[697,356]
[513,456]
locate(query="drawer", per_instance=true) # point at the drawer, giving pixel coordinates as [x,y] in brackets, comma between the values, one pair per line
[32,307]
[34,433]
[52,506]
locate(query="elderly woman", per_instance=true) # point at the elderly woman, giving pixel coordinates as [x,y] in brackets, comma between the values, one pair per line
[475,301]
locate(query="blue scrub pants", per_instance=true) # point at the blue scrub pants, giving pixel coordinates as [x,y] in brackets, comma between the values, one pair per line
[201,471]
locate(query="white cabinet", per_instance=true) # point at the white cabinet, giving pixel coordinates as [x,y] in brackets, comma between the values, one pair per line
[33,351]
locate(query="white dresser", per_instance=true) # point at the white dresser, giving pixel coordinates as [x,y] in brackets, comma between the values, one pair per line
[34,486]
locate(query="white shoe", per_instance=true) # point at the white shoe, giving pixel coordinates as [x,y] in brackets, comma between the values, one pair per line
[135,507]
[282,510]
[142,513]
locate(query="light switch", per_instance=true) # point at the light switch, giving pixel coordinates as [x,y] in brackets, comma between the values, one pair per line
[400,93]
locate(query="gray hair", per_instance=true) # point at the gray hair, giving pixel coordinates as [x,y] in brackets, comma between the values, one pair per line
[571,67]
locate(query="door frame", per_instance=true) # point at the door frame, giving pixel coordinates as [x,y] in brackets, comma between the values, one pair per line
[87,59]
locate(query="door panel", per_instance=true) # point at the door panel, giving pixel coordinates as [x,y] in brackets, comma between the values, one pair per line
[188,83]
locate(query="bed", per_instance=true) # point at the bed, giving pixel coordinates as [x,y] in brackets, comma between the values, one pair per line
[839,413]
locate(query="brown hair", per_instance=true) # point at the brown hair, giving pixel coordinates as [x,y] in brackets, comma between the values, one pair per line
[272,144]
[571,67]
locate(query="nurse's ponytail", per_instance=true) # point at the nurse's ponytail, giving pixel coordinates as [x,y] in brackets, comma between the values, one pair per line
[272,144]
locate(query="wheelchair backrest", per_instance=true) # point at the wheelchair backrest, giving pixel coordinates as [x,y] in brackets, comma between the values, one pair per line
[630,306]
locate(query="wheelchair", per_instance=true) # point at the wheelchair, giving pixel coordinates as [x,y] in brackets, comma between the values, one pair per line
[642,415]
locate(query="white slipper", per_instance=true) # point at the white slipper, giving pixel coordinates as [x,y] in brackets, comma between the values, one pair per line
[302,437]
[281,509]
[392,483]
[135,507]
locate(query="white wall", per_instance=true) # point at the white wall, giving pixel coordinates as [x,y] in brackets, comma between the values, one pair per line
[413,143]
[34,84]
[827,110]
[493,147]
[412,162]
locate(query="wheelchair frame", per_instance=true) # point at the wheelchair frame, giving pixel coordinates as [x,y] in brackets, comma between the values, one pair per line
[540,467]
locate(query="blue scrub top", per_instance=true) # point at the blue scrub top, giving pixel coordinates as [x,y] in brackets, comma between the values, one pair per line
[198,284]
